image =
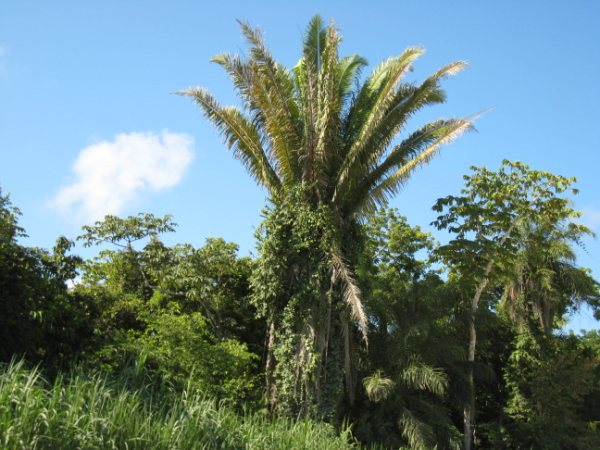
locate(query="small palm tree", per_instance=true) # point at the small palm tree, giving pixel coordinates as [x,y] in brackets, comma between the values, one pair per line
[339,138]
[545,282]
[414,403]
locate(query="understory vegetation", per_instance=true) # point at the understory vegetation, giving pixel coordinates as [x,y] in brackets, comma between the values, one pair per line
[351,328]
[84,411]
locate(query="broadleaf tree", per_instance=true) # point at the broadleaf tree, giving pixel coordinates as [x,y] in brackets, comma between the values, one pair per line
[493,222]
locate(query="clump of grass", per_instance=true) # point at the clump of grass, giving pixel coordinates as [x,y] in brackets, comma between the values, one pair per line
[94,412]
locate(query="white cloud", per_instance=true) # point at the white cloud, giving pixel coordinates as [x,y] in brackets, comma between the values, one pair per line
[112,174]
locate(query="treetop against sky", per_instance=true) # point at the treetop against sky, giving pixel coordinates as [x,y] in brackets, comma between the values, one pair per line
[88,125]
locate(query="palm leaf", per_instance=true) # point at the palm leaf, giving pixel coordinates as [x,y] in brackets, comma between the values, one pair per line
[377,386]
[350,292]
[349,69]
[240,136]
[422,377]
[329,108]
[391,184]
[272,91]
[406,101]
[418,434]
[307,93]
[371,104]
[430,135]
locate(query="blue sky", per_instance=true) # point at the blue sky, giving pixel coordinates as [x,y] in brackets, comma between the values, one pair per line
[88,124]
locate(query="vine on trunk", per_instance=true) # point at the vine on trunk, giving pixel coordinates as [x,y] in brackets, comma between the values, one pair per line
[308,361]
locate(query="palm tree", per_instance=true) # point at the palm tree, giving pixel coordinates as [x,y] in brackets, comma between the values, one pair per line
[545,374]
[340,140]
[545,282]
[414,404]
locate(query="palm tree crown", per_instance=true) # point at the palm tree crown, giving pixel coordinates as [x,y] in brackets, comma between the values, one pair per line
[316,126]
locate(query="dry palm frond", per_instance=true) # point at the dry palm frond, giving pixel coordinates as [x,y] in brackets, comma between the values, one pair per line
[351,292]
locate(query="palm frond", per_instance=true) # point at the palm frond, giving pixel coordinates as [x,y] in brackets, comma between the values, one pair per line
[423,377]
[431,135]
[378,386]
[405,102]
[240,136]
[351,292]
[418,434]
[329,108]
[372,103]
[349,70]
[438,418]
[273,92]
[390,185]
[240,72]
[307,86]
[409,100]
[314,41]
[251,90]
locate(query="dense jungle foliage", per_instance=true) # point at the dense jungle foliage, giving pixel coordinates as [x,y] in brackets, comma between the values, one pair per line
[152,343]
[351,328]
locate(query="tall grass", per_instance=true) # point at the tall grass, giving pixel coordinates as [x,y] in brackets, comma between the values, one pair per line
[94,412]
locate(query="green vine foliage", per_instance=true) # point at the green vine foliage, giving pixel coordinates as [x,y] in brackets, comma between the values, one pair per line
[549,379]
[293,289]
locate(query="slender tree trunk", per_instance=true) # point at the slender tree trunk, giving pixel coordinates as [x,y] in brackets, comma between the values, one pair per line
[469,410]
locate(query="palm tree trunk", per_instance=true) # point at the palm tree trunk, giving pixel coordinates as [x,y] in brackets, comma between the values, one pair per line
[348,372]
[270,385]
